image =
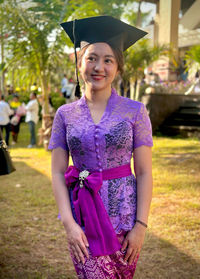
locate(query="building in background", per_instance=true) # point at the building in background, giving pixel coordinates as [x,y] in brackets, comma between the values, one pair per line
[175,23]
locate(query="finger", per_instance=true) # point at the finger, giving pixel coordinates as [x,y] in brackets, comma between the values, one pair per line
[72,248]
[85,240]
[80,254]
[76,256]
[133,256]
[124,245]
[84,249]
[128,253]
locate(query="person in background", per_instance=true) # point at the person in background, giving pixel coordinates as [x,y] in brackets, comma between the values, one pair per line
[15,125]
[10,89]
[32,117]
[70,89]
[197,82]
[5,113]
[64,86]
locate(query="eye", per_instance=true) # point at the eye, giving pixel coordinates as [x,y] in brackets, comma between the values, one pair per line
[108,61]
[91,58]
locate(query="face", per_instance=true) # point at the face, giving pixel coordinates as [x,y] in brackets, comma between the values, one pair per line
[98,67]
[15,99]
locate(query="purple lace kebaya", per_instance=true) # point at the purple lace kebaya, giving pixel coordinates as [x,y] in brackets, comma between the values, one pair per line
[124,126]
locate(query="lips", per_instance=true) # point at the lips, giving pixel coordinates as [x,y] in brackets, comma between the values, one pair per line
[97,77]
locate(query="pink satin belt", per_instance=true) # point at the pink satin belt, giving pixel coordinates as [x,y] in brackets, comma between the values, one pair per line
[118,172]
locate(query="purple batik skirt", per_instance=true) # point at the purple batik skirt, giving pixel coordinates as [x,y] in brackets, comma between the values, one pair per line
[105,267]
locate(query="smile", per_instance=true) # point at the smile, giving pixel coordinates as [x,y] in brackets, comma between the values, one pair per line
[98,77]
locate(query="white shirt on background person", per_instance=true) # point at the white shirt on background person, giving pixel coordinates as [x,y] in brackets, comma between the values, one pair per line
[64,84]
[32,109]
[5,112]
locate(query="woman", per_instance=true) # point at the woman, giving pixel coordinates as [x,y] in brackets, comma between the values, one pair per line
[103,210]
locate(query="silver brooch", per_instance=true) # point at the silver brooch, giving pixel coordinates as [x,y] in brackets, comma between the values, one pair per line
[82,175]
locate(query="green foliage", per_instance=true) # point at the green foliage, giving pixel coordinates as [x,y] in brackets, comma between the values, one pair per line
[80,8]
[193,57]
[34,50]
[194,53]
[138,57]
[132,16]
[57,100]
[24,97]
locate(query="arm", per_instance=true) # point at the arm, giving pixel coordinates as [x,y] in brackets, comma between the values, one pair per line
[143,171]
[59,165]
[76,237]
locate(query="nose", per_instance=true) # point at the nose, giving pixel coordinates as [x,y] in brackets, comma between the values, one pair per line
[98,65]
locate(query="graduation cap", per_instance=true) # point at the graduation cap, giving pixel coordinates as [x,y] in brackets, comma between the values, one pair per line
[104,29]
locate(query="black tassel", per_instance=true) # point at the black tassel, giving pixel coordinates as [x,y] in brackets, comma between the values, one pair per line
[77,90]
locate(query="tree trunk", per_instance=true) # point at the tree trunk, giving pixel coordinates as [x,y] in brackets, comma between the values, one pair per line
[47,120]
[132,88]
[125,88]
[137,91]
[139,18]
[13,78]
[2,63]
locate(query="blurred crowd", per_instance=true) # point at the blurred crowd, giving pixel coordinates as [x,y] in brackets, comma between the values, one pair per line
[11,114]
[13,111]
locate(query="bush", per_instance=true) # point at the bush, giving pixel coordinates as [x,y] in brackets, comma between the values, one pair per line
[23,97]
[57,100]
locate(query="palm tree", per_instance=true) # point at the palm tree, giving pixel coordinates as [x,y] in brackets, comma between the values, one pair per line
[36,45]
[137,58]
[192,57]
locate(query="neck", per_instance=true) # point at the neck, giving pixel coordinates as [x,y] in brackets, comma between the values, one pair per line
[94,96]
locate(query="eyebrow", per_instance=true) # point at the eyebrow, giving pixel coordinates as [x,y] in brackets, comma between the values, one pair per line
[107,55]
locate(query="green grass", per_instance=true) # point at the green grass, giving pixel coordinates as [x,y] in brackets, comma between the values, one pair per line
[32,240]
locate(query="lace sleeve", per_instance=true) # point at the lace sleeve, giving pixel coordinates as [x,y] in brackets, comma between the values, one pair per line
[58,133]
[142,131]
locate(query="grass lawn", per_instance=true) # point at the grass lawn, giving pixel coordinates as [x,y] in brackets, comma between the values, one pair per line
[33,242]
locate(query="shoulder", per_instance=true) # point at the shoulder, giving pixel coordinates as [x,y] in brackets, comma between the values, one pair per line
[129,105]
[68,110]
[128,109]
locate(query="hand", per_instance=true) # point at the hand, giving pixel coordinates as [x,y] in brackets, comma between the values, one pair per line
[77,242]
[133,243]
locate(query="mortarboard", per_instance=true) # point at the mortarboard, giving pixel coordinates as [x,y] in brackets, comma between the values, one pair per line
[106,29]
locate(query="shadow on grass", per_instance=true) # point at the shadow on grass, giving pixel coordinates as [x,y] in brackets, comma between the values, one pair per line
[162,260]
[34,243]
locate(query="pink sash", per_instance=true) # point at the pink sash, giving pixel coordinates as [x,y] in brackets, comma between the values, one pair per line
[90,210]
